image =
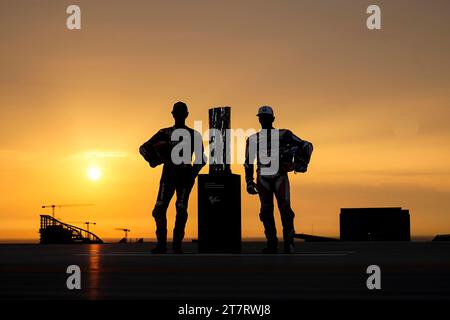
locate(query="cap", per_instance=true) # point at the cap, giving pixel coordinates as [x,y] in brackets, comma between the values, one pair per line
[180,107]
[265,110]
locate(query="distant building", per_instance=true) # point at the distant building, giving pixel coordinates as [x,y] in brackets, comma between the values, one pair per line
[57,232]
[375,224]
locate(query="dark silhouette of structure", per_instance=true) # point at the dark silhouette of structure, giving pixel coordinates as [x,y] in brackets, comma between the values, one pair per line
[176,178]
[293,155]
[375,224]
[87,223]
[219,193]
[442,237]
[125,238]
[57,232]
[313,238]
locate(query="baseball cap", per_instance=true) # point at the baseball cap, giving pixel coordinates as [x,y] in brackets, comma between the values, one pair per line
[265,110]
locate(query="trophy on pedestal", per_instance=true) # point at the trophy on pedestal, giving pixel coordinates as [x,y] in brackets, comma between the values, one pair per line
[219,192]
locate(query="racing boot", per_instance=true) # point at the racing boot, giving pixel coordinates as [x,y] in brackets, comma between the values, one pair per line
[271,247]
[160,248]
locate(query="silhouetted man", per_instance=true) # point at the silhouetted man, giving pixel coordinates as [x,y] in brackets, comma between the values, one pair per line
[286,152]
[169,146]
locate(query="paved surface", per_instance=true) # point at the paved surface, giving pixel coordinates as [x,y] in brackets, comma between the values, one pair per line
[315,271]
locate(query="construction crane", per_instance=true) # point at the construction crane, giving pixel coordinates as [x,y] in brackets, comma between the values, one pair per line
[125,230]
[87,223]
[53,206]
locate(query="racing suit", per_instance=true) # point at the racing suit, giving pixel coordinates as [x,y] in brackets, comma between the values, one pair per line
[177,178]
[276,183]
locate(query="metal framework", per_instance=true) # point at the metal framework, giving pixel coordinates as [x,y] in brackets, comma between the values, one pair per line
[55,231]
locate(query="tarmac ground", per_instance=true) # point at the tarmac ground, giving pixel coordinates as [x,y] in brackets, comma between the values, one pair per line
[334,270]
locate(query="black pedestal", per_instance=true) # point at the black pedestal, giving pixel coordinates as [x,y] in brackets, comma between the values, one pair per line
[219,213]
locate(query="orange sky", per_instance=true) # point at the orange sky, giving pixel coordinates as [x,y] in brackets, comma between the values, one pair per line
[376,104]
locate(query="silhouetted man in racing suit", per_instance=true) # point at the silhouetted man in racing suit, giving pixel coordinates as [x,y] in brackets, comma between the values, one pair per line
[275,182]
[176,177]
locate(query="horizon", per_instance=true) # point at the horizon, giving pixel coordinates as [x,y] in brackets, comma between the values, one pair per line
[421,238]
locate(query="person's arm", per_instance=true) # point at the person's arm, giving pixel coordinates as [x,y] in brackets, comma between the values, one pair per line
[248,164]
[296,141]
[306,149]
[250,156]
[199,153]
[144,149]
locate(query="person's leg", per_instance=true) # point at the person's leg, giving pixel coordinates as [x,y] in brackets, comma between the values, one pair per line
[266,216]
[282,193]
[183,191]
[165,193]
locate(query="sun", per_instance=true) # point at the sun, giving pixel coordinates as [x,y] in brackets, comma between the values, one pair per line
[94,173]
